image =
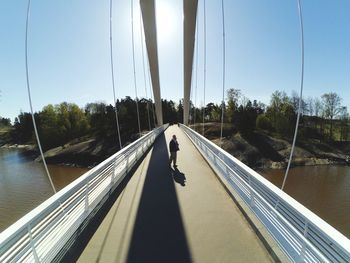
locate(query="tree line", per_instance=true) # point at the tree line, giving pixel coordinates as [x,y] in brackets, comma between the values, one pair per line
[61,123]
[322,118]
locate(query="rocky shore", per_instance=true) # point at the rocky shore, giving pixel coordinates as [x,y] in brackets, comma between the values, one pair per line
[260,150]
[264,151]
[83,152]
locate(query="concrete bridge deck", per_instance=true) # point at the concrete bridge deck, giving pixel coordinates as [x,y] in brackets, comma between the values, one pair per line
[167,215]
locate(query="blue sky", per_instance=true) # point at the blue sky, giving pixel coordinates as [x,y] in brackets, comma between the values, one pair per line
[69,50]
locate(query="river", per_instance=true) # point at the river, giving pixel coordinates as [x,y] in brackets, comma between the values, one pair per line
[324,189]
[24,184]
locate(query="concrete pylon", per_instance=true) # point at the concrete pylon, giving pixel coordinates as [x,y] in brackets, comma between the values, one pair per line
[190,18]
[149,25]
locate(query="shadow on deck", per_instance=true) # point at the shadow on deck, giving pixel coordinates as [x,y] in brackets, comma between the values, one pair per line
[159,232]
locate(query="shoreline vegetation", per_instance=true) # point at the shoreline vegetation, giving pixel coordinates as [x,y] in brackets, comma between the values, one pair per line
[259,150]
[259,135]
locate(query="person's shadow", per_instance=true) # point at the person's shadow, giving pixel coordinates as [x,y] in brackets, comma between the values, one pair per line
[179,177]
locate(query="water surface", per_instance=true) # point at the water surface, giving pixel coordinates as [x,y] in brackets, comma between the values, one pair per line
[24,184]
[324,189]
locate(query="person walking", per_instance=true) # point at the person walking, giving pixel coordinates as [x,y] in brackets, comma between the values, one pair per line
[173,147]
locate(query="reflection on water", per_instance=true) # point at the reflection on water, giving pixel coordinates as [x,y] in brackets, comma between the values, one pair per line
[24,184]
[325,190]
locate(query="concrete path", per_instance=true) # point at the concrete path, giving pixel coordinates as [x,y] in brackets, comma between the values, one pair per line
[167,215]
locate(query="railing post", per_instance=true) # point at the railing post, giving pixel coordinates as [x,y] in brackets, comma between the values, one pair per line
[87,197]
[252,203]
[303,247]
[127,164]
[114,173]
[32,244]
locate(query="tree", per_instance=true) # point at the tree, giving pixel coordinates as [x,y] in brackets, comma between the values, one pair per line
[295,102]
[262,122]
[331,105]
[169,111]
[244,118]
[213,112]
[5,121]
[281,113]
[24,130]
[344,123]
[310,106]
[233,96]
[180,111]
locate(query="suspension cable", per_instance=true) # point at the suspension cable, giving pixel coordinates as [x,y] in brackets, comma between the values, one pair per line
[301,90]
[144,71]
[191,98]
[223,69]
[196,87]
[112,69]
[133,63]
[30,100]
[205,61]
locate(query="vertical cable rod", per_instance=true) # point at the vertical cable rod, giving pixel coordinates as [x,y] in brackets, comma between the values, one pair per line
[144,71]
[301,90]
[191,99]
[196,87]
[134,66]
[112,69]
[205,61]
[223,69]
[30,100]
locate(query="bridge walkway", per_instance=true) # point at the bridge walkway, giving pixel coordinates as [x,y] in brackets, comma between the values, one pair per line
[167,215]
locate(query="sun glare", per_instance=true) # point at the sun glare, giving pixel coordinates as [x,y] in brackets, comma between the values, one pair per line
[165,20]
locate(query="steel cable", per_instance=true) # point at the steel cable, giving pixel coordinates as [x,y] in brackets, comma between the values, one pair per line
[30,99]
[223,69]
[205,61]
[112,69]
[134,66]
[301,91]
[196,87]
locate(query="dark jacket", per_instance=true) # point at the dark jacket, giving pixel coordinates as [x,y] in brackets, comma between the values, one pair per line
[173,146]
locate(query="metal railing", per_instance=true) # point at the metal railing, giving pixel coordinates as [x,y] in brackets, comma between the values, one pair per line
[41,234]
[302,235]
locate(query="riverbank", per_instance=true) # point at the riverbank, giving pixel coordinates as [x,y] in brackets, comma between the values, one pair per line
[260,150]
[81,152]
[84,152]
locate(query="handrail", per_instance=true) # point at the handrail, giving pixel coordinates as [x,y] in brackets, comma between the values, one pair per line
[300,233]
[41,234]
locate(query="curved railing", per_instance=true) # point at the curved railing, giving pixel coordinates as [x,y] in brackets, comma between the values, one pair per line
[41,234]
[301,234]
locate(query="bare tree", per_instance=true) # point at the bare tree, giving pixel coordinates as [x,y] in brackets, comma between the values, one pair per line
[233,96]
[318,107]
[318,110]
[310,106]
[331,106]
[294,99]
[344,120]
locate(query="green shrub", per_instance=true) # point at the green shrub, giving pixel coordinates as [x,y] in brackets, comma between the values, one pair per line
[264,123]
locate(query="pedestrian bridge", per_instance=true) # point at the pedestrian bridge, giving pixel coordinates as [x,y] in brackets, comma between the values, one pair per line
[134,208]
